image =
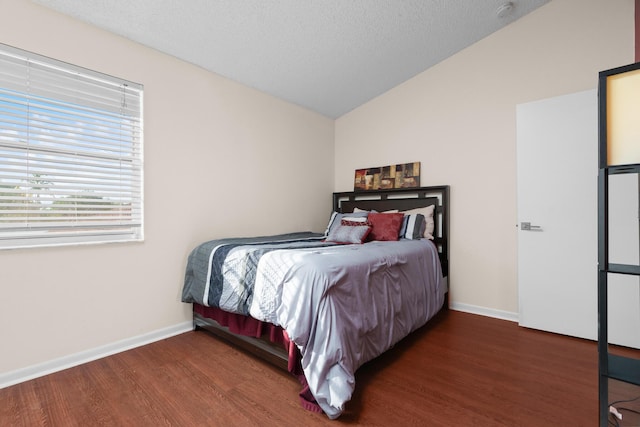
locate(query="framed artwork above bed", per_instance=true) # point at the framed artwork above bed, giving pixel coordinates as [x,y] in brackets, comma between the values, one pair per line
[406,175]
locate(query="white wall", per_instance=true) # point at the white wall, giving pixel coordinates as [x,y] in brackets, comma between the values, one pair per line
[458,119]
[220,159]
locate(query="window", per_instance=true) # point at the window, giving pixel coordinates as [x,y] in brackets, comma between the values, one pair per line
[70,154]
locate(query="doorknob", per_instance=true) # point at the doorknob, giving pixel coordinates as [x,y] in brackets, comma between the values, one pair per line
[526,226]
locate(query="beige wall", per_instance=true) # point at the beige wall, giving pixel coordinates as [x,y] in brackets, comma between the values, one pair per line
[459,119]
[220,158]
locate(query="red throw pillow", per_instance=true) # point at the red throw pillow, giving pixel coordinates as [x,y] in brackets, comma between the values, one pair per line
[385,226]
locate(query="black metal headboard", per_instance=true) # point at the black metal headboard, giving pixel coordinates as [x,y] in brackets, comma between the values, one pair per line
[404,199]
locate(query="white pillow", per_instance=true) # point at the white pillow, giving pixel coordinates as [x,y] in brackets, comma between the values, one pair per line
[358,210]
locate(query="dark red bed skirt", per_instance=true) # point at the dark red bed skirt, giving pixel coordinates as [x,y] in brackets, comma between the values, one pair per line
[251,327]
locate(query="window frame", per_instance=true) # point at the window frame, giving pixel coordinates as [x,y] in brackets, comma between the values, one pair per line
[79,130]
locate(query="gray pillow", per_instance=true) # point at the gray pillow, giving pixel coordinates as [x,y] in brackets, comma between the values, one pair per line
[336,219]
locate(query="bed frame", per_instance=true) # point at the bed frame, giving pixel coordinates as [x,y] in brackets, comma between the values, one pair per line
[380,200]
[404,199]
[261,347]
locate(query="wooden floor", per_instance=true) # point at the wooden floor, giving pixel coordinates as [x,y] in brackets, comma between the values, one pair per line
[459,370]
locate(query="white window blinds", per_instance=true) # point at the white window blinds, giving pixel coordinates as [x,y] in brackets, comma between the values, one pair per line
[70,154]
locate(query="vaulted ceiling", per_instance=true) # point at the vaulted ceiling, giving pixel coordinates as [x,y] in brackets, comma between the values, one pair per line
[329,56]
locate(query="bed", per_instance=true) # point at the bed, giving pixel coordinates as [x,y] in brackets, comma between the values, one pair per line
[322,304]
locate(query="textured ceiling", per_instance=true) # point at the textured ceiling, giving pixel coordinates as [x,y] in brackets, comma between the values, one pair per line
[329,56]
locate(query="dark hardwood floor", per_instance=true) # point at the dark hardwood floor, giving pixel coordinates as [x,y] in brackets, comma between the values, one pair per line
[459,370]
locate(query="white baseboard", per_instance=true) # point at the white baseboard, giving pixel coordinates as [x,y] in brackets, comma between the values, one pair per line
[30,372]
[55,365]
[484,311]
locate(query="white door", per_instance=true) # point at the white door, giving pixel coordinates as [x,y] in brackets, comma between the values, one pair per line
[557,150]
[557,191]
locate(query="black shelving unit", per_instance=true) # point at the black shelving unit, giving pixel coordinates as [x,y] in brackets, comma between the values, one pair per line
[611,366]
